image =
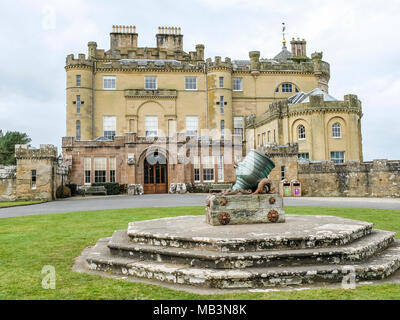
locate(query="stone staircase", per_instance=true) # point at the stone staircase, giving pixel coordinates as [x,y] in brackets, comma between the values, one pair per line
[304,250]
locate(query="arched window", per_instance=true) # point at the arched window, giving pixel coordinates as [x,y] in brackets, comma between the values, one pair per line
[301,130]
[78,130]
[287,88]
[336,130]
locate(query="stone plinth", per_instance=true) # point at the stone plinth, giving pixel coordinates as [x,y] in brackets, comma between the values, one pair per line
[187,251]
[245,209]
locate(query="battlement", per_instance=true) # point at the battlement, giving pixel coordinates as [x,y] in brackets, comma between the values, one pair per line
[309,167]
[46,151]
[158,64]
[80,62]
[316,104]
[218,63]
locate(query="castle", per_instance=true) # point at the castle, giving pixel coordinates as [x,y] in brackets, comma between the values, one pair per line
[161,116]
[163,120]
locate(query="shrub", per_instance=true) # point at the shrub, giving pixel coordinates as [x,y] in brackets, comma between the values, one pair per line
[112,188]
[63,192]
[123,188]
[74,189]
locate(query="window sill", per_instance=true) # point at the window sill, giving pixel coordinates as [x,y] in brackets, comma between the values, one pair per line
[110,89]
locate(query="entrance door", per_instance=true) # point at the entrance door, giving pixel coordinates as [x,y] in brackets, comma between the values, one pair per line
[155,174]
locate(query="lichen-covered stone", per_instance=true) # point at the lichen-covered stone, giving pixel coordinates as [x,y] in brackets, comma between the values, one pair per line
[244,209]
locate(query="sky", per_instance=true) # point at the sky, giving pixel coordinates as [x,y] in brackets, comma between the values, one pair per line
[359,38]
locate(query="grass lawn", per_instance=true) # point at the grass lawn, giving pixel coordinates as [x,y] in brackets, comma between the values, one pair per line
[29,243]
[17,203]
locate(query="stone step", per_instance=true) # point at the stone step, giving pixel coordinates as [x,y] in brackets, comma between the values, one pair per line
[375,268]
[361,249]
[298,232]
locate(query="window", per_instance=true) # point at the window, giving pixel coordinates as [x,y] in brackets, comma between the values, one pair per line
[287,87]
[264,142]
[336,130]
[151,126]
[109,83]
[337,156]
[192,125]
[78,130]
[220,168]
[190,83]
[78,104]
[78,80]
[221,82]
[100,168]
[301,132]
[237,84]
[303,156]
[283,176]
[113,165]
[238,127]
[33,179]
[109,127]
[259,139]
[269,136]
[208,169]
[196,166]
[222,104]
[222,129]
[87,170]
[150,83]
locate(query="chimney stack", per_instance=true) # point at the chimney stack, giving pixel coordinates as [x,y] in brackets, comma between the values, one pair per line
[299,47]
[123,37]
[169,38]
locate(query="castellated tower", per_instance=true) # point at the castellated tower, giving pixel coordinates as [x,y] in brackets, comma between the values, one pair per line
[80,95]
[219,85]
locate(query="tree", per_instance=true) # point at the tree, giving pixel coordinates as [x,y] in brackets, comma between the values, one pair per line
[7,146]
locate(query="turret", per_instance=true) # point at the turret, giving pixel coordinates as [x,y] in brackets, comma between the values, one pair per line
[92,48]
[200,51]
[254,61]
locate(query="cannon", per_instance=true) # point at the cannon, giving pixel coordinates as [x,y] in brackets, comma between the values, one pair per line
[253,171]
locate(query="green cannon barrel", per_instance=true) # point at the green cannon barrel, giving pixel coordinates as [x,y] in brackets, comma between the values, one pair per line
[252,169]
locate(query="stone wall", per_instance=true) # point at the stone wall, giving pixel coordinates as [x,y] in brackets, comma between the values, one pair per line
[283,156]
[8,183]
[379,178]
[44,162]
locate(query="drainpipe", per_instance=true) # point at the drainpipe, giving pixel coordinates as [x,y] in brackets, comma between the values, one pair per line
[205,72]
[93,76]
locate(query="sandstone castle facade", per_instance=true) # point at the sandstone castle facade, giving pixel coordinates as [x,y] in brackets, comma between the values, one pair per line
[161,116]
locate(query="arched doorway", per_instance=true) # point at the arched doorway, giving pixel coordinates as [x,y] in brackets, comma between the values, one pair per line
[155,173]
